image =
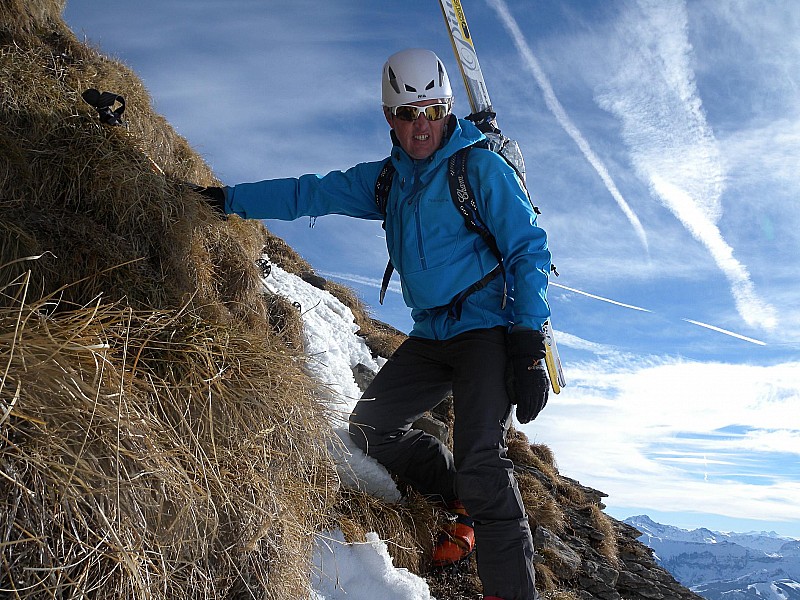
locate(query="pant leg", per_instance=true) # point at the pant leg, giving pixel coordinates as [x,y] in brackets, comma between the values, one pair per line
[413,381]
[485,479]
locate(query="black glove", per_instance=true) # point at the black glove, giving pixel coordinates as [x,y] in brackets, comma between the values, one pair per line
[215,196]
[529,386]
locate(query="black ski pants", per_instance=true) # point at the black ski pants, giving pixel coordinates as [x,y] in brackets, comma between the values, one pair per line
[414,380]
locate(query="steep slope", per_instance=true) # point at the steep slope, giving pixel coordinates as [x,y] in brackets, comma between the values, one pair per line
[159,436]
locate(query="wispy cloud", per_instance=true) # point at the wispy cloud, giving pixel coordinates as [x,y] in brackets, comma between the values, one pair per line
[561,115]
[672,147]
[666,444]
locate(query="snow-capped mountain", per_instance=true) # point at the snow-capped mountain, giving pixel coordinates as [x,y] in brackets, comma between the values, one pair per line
[730,566]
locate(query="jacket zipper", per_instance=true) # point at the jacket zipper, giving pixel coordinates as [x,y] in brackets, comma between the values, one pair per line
[417,219]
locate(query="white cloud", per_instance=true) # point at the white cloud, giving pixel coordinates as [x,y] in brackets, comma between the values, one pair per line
[770,150]
[679,435]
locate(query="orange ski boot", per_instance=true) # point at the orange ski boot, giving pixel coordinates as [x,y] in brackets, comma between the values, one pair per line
[457,539]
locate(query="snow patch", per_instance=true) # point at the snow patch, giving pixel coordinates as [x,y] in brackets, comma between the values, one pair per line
[345,571]
[364,571]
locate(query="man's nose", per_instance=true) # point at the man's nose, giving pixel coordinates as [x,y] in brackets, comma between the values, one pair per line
[421,120]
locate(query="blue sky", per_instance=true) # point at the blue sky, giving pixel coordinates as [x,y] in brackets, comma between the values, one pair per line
[662,142]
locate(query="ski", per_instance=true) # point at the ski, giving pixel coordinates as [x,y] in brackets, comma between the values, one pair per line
[484,116]
[467,58]
[552,358]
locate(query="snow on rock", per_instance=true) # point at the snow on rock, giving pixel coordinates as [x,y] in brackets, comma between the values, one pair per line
[329,332]
[362,572]
[345,571]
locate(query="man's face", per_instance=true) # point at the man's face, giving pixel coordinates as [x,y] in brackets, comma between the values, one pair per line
[419,138]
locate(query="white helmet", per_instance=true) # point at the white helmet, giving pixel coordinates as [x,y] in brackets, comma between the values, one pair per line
[413,75]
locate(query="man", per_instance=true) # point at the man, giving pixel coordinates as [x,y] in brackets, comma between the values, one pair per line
[465,350]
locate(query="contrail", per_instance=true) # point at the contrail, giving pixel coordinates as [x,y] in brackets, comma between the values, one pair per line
[672,147]
[752,309]
[726,332]
[561,115]
[609,300]
[395,287]
[639,308]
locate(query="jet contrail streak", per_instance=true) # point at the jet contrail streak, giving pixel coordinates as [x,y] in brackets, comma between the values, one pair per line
[395,287]
[726,332]
[631,306]
[561,115]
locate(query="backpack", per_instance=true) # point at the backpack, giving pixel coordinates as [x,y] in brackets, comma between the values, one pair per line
[463,197]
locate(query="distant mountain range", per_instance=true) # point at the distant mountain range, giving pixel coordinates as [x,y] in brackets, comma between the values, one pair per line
[725,566]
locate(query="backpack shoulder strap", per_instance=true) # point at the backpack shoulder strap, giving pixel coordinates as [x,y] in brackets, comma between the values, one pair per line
[383,185]
[463,197]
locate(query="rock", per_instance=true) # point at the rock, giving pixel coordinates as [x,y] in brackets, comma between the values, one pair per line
[433,426]
[313,279]
[563,561]
[599,579]
[363,376]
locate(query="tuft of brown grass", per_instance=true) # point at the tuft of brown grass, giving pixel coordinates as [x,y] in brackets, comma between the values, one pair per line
[560,594]
[159,437]
[539,456]
[607,546]
[545,578]
[542,508]
[122,437]
[409,529]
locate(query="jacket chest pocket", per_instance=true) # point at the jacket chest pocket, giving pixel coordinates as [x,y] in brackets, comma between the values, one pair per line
[437,229]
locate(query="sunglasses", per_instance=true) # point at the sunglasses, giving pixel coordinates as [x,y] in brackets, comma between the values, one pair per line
[409,112]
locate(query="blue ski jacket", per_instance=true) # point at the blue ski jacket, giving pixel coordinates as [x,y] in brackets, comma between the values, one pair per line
[432,250]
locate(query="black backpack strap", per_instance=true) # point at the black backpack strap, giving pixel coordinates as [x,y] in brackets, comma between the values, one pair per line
[383,186]
[387,276]
[454,308]
[464,199]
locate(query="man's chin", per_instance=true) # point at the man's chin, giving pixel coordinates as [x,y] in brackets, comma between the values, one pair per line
[421,151]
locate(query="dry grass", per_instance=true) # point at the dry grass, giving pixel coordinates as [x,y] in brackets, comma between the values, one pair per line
[409,529]
[560,595]
[607,546]
[158,435]
[150,454]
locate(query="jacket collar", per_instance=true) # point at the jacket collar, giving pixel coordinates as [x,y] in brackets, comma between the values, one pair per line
[459,134]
